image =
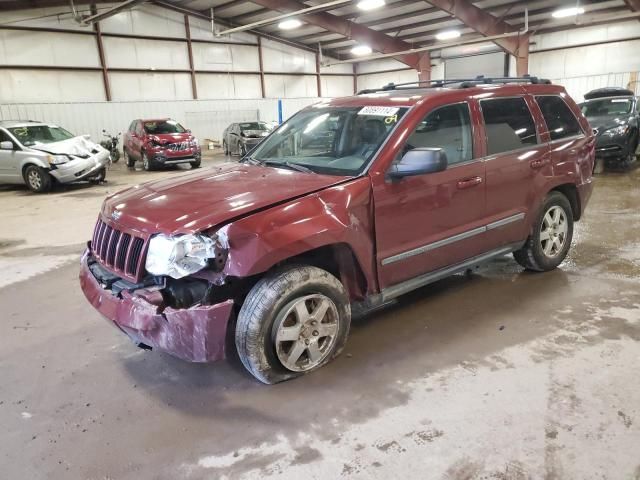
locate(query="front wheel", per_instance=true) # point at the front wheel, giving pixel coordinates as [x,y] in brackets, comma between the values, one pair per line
[115,155]
[37,179]
[242,150]
[146,162]
[548,244]
[196,164]
[100,177]
[293,321]
[131,163]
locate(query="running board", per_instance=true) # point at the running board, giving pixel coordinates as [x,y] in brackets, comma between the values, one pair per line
[394,291]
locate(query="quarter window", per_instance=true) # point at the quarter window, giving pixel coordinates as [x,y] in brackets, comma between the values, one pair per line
[508,124]
[448,128]
[560,121]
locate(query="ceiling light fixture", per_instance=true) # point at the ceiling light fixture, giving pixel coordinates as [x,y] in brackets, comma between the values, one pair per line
[568,12]
[289,24]
[448,35]
[370,4]
[360,50]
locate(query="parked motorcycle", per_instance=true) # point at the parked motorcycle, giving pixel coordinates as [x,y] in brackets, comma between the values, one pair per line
[112,145]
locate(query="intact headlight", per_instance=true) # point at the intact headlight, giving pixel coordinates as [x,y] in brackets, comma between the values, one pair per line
[57,159]
[179,256]
[616,131]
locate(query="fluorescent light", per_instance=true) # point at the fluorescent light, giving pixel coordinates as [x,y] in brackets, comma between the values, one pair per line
[361,50]
[568,12]
[289,24]
[370,4]
[448,35]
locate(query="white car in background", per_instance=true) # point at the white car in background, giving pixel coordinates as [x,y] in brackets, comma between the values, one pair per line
[39,154]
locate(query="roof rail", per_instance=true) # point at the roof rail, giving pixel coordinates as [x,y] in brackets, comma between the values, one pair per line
[464,83]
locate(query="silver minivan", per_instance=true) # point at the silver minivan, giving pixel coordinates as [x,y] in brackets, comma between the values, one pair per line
[39,154]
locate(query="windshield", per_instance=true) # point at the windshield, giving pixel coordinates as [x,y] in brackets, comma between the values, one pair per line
[40,134]
[606,107]
[337,141]
[163,126]
[254,126]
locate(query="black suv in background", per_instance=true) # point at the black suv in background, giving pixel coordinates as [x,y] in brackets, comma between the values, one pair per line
[239,138]
[614,115]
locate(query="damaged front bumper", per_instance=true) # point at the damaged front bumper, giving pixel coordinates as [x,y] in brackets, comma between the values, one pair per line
[196,334]
[80,168]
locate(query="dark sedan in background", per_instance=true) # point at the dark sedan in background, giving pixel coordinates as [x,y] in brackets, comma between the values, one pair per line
[614,115]
[239,138]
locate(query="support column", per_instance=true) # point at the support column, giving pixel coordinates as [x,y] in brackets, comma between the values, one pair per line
[318,79]
[522,56]
[424,67]
[262,89]
[355,79]
[103,62]
[187,30]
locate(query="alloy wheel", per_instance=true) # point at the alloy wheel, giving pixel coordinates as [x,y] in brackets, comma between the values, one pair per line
[35,181]
[553,232]
[306,330]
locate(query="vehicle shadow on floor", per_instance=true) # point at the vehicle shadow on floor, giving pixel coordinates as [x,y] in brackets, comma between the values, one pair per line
[459,319]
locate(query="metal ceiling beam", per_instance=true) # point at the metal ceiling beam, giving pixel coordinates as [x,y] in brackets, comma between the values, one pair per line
[488,25]
[126,5]
[376,40]
[634,5]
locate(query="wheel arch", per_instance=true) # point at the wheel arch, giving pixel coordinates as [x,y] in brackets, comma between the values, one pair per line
[570,191]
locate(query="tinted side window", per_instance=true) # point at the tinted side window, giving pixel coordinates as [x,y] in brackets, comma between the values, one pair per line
[448,128]
[508,124]
[561,122]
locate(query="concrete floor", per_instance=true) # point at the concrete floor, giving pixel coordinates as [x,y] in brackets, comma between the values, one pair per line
[501,375]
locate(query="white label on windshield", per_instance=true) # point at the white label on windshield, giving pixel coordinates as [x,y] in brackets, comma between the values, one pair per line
[617,100]
[380,111]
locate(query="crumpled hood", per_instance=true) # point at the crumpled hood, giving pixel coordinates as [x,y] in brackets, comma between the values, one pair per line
[603,123]
[196,201]
[77,146]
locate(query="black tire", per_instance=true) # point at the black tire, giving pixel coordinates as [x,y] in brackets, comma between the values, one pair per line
[225,148]
[147,163]
[129,160]
[37,179]
[256,327]
[631,150]
[242,150]
[532,255]
[196,164]
[115,156]
[100,177]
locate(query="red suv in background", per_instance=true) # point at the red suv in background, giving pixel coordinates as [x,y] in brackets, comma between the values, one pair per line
[160,142]
[350,203]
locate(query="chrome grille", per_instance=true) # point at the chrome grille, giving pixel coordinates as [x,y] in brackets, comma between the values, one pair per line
[118,251]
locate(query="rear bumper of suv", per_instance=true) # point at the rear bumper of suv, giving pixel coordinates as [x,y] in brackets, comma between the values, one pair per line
[196,334]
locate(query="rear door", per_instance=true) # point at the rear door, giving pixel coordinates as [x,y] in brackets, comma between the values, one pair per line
[429,221]
[517,163]
[137,140]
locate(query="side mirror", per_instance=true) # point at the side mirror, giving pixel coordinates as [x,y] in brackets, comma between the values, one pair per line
[188,130]
[6,145]
[419,161]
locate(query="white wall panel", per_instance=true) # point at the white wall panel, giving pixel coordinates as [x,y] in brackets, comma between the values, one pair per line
[277,57]
[281,86]
[150,86]
[377,80]
[227,86]
[209,56]
[340,68]
[52,17]
[137,53]
[92,117]
[615,31]
[50,86]
[378,65]
[333,86]
[51,49]
[201,30]
[490,65]
[146,20]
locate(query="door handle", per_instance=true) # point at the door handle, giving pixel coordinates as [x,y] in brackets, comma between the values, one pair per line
[539,163]
[469,182]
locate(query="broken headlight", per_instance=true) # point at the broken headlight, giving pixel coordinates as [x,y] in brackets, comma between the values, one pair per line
[180,255]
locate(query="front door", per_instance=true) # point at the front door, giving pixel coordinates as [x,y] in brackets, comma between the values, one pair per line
[429,221]
[10,160]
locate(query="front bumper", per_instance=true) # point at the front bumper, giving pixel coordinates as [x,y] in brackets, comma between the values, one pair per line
[165,157]
[612,147]
[80,168]
[196,334]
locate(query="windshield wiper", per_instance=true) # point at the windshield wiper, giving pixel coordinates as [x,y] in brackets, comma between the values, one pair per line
[290,165]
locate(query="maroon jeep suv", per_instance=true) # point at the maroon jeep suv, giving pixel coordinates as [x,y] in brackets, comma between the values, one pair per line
[348,204]
[160,142]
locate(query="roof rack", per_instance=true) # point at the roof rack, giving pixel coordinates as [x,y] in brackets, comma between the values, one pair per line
[464,83]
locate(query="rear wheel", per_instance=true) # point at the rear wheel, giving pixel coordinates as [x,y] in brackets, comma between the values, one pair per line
[131,163]
[549,243]
[293,321]
[37,179]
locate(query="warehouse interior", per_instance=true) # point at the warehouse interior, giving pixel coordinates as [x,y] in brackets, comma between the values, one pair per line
[493,372]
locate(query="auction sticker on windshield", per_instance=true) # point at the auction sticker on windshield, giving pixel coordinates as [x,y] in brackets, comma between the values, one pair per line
[379,111]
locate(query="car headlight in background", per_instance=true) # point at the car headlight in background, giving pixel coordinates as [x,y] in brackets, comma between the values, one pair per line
[616,131]
[179,256]
[57,159]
